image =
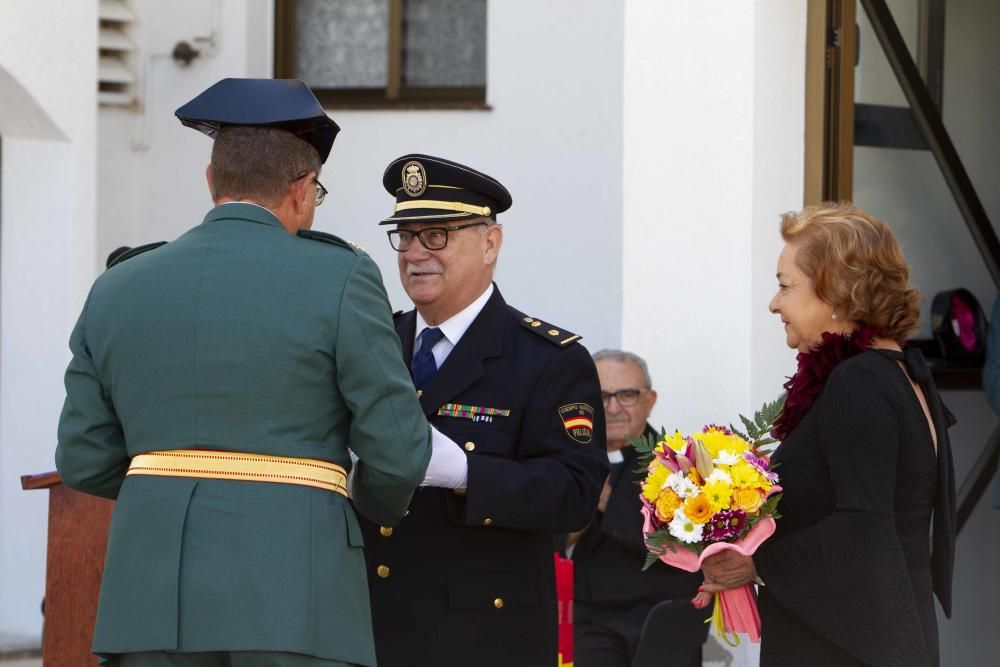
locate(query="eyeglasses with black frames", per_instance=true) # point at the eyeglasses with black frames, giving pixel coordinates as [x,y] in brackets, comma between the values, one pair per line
[432,238]
[626,397]
[321,192]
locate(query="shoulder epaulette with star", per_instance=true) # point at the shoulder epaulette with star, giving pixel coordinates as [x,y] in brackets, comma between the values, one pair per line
[554,335]
[138,250]
[331,239]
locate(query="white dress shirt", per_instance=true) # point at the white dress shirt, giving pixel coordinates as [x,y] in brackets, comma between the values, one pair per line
[453,328]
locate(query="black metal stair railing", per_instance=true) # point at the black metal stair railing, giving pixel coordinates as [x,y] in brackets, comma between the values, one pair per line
[932,128]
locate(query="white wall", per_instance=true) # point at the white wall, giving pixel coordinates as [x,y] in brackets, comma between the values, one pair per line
[778,177]
[48,78]
[713,153]
[151,169]
[553,137]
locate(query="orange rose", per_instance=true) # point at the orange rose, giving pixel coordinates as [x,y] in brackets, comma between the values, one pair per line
[666,504]
[698,509]
[748,500]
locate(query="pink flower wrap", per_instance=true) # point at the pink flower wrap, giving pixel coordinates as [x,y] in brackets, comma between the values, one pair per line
[739,605]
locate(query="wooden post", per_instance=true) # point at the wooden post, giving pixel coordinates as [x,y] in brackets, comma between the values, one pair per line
[78,537]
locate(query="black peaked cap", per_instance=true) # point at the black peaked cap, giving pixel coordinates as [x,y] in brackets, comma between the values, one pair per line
[285,104]
[433,189]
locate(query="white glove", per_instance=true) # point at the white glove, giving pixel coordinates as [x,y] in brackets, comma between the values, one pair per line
[449,467]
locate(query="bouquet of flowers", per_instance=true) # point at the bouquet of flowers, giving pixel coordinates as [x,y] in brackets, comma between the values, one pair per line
[707,492]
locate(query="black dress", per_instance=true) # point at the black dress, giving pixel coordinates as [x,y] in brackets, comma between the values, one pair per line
[849,574]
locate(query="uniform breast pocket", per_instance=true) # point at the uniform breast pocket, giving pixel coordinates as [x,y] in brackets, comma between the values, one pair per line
[493,590]
[481,441]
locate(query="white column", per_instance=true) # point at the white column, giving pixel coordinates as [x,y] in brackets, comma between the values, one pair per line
[713,152]
[688,203]
[778,177]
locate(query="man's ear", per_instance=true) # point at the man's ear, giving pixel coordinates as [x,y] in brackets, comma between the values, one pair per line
[494,239]
[208,179]
[300,191]
[651,398]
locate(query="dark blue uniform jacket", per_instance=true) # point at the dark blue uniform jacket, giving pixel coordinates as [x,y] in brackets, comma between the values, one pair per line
[468,578]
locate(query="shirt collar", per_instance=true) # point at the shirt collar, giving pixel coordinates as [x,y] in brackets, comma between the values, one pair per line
[242,210]
[455,326]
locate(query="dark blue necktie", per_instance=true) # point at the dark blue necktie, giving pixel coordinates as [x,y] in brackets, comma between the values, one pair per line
[424,367]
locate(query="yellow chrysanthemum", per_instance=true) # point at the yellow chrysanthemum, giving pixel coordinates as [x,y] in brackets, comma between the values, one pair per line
[698,508]
[716,440]
[695,476]
[713,440]
[666,504]
[746,476]
[748,500]
[676,442]
[655,479]
[718,494]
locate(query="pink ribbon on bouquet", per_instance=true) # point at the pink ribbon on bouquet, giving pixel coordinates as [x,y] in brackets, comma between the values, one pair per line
[736,608]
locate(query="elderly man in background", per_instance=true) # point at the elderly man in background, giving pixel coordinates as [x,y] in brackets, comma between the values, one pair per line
[612,594]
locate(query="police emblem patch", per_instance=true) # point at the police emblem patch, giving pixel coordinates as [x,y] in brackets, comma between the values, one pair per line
[578,420]
[414,178]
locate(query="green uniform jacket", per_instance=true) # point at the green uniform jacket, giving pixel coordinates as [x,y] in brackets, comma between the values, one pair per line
[240,336]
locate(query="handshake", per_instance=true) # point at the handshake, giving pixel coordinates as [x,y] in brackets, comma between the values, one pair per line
[449,466]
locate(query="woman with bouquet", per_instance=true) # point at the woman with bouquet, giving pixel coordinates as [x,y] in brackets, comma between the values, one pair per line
[850,573]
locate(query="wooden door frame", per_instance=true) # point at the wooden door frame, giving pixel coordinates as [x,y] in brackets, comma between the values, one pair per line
[831,55]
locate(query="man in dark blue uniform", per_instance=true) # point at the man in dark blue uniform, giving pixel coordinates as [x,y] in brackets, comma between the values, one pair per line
[518,440]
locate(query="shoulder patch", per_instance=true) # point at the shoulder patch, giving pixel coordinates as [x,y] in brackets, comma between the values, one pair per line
[331,239]
[555,335]
[138,250]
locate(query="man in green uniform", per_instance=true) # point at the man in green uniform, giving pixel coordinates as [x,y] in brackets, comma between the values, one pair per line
[216,384]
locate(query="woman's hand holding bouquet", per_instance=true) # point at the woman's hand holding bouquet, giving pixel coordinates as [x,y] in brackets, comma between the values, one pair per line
[707,493]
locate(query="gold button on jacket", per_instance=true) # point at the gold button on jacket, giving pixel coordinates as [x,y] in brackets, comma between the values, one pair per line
[382,571]
[469,446]
[386,531]
[498,603]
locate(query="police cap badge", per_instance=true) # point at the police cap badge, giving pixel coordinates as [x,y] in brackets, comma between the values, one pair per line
[431,189]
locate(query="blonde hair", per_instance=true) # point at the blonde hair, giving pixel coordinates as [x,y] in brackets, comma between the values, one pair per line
[856,266]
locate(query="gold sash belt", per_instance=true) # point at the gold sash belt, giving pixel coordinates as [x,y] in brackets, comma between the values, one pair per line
[211,464]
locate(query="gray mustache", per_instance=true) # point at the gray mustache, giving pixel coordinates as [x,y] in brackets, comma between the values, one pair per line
[422,268]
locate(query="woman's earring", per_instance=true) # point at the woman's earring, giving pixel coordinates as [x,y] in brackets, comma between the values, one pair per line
[834,315]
